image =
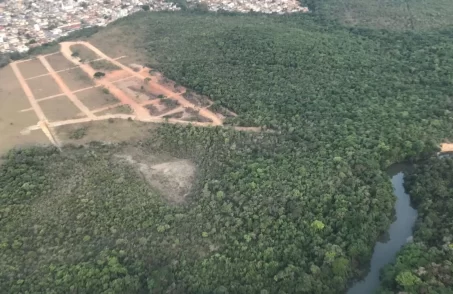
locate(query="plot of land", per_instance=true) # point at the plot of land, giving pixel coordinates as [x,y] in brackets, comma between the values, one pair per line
[83,53]
[44,86]
[121,109]
[59,62]
[96,97]
[136,89]
[76,79]
[60,108]
[32,68]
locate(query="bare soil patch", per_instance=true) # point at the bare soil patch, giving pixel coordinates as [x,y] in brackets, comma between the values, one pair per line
[172,178]
[60,108]
[32,68]
[76,79]
[138,90]
[43,87]
[59,62]
[446,147]
[96,97]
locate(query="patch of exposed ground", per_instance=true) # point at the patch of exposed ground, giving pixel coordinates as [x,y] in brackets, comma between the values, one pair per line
[108,131]
[76,79]
[44,86]
[32,68]
[172,178]
[59,62]
[446,147]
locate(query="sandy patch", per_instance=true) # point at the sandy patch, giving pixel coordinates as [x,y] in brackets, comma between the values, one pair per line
[172,178]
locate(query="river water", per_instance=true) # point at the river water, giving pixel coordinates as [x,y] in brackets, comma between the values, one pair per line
[399,232]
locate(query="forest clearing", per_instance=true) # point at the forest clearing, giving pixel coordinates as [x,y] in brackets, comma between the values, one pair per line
[68,97]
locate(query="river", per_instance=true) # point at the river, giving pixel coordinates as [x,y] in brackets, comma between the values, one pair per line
[399,232]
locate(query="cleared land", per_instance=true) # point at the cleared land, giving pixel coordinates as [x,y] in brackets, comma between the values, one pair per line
[83,53]
[95,98]
[12,122]
[31,68]
[76,79]
[66,93]
[60,108]
[59,62]
[44,86]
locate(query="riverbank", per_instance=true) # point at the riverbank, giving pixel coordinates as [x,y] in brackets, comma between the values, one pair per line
[399,232]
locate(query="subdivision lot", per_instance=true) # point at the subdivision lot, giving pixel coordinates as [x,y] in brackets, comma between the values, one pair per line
[32,68]
[85,54]
[59,62]
[140,91]
[43,87]
[60,108]
[76,79]
[96,97]
[12,122]
[122,109]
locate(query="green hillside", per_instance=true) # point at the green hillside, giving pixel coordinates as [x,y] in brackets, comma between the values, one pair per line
[295,210]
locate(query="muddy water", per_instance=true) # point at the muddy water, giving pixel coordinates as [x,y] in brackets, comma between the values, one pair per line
[399,233]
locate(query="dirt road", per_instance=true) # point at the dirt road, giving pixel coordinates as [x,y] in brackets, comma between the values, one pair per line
[65,88]
[140,112]
[31,98]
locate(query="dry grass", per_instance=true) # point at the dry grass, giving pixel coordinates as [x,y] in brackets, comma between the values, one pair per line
[84,53]
[12,122]
[96,97]
[43,87]
[114,131]
[60,108]
[76,79]
[32,68]
[59,62]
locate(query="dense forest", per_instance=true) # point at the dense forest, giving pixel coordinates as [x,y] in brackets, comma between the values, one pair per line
[426,265]
[295,210]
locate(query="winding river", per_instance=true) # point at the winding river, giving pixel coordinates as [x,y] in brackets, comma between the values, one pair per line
[398,234]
